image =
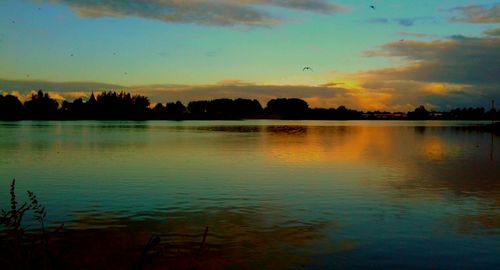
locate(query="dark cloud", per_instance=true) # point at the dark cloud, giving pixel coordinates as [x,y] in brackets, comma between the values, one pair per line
[202,12]
[459,59]
[461,98]
[403,21]
[320,6]
[458,71]
[493,32]
[478,14]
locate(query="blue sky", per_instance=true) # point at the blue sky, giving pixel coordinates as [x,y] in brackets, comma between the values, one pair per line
[170,50]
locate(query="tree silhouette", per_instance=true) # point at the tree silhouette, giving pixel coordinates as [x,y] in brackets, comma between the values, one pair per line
[176,110]
[11,108]
[419,113]
[246,108]
[288,108]
[198,109]
[125,106]
[159,111]
[121,106]
[41,106]
[224,108]
[341,113]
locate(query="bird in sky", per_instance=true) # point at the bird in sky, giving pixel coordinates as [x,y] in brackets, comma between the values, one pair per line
[373,7]
[307,68]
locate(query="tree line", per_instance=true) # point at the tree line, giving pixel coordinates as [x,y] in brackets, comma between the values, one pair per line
[124,106]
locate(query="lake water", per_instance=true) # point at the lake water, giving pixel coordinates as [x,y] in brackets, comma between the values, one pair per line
[274,194]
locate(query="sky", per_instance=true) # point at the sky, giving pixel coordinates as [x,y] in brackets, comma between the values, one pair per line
[395,56]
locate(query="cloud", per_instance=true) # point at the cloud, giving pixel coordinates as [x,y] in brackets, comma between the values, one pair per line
[492,32]
[328,95]
[373,93]
[237,89]
[459,59]
[417,35]
[457,71]
[201,12]
[325,96]
[332,84]
[403,21]
[320,6]
[442,74]
[482,14]
[30,85]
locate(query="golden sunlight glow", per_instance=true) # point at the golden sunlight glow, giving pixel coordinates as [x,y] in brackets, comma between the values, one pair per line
[438,89]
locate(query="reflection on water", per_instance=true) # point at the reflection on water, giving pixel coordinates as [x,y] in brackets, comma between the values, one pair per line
[236,237]
[275,194]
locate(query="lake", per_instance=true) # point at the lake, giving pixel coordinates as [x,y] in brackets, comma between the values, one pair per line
[274,194]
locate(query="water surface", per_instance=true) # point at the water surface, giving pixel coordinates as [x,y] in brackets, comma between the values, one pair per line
[275,194]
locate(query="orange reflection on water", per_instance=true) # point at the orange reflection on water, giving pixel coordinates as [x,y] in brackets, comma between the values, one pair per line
[434,149]
[339,144]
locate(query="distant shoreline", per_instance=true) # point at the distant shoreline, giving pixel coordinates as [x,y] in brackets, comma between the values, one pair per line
[125,106]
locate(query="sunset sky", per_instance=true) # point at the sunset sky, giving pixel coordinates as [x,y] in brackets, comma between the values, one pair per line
[442,54]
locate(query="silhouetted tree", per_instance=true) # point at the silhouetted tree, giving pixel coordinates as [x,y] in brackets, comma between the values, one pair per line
[112,105]
[341,113]
[221,109]
[198,109]
[124,106]
[176,110]
[11,108]
[224,108]
[419,113]
[74,110]
[246,108]
[470,114]
[159,111]
[141,107]
[41,106]
[288,108]
[493,114]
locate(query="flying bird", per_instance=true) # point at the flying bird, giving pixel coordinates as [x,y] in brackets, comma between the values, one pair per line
[307,68]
